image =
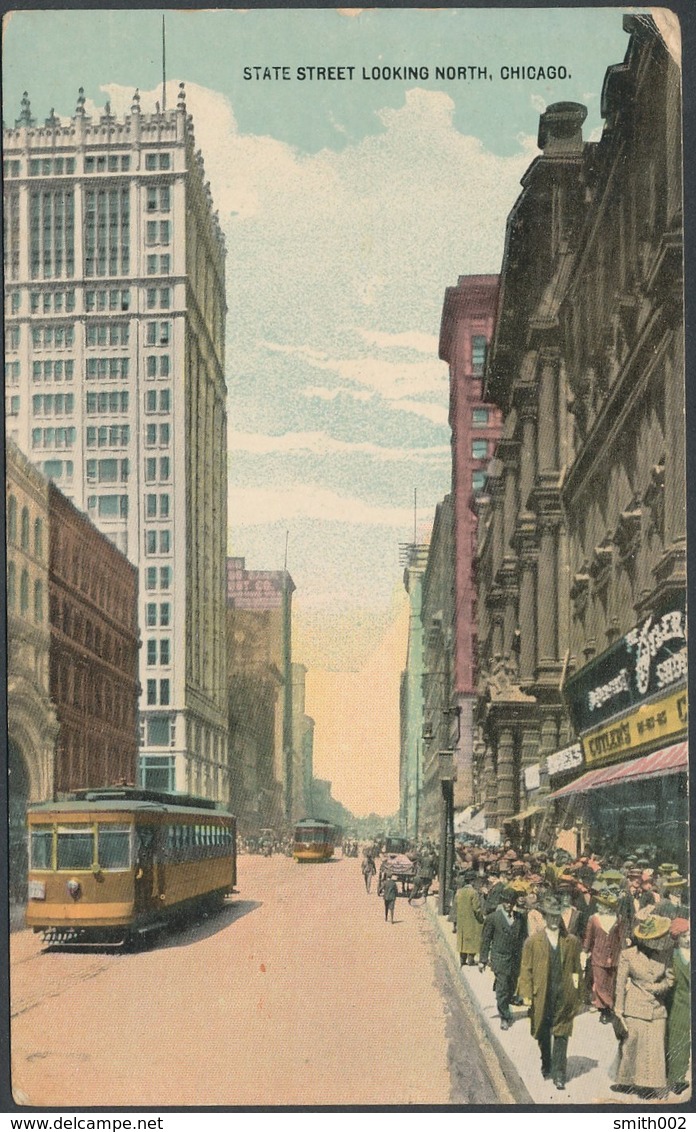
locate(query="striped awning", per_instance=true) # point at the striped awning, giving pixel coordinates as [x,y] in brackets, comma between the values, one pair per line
[670,760]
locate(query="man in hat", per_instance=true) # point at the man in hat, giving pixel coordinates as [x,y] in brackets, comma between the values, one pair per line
[469,920]
[502,938]
[670,887]
[550,982]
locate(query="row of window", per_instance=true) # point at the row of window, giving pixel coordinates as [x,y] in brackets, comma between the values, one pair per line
[107,369]
[157,506]
[157,614]
[52,337]
[53,437]
[159,264]
[24,528]
[157,471]
[107,471]
[114,402]
[24,588]
[114,299]
[53,370]
[158,692]
[93,163]
[50,166]
[159,651]
[85,686]
[108,436]
[108,506]
[53,404]
[158,542]
[107,333]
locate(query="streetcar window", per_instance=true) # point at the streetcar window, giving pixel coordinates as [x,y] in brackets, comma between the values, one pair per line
[114,846]
[42,848]
[75,847]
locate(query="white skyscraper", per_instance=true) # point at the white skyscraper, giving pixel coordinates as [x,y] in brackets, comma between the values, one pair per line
[115,388]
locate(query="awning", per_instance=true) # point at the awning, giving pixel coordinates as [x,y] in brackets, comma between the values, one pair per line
[472,820]
[670,760]
[528,813]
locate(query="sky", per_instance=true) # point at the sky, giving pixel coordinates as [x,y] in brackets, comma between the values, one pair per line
[348,207]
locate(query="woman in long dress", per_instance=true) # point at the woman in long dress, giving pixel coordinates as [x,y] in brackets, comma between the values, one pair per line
[604,939]
[679,1009]
[643,981]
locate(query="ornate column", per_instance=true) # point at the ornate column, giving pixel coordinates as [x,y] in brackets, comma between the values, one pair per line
[490,787]
[527,605]
[548,413]
[506,773]
[547,595]
[528,454]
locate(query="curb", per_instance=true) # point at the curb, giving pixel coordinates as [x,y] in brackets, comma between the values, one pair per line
[504,1073]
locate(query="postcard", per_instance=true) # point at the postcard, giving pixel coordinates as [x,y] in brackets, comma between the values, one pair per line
[346,558]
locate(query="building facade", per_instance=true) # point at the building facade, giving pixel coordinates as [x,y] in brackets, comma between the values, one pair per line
[437,617]
[581,557]
[302,746]
[115,311]
[94,647]
[412,698]
[259,613]
[466,330]
[32,727]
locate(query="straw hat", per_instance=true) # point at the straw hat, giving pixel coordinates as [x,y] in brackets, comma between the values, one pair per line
[606,896]
[667,868]
[654,930]
[609,876]
[675,881]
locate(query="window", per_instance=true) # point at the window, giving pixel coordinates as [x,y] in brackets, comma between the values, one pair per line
[75,847]
[150,469]
[151,542]
[11,585]
[157,773]
[151,614]
[113,846]
[164,506]
[13,338]
[51,233]
[112,506]
[12,519]
[107,231]
[41,847]
[12,372]
[165,577]
[152,651]
[151,578]
[478,480]
[164,469]
[25,529]
[479,449]
[164,614]
[480,417]
[164,540]
[478,354]
[12,406]
[151,506]
[158,731]
[164,692]
[38,602]
[164,651]
[152,692]
[38,538]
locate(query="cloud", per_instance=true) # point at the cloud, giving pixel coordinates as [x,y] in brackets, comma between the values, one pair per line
[409,340]
[322,444]
[250,506]
[321,393]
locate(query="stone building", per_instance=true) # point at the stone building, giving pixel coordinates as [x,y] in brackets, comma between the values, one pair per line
[411,695]
[302,746]
[94,646]
[32,727]
[115,315]
[581,540]
[260,694]
[468,316]
[437,618]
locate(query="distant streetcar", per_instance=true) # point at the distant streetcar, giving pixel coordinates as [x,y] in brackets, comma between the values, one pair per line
[315,840]
[113,864]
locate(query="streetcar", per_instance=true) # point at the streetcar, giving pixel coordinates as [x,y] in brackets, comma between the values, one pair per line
[112,865]
[315,840]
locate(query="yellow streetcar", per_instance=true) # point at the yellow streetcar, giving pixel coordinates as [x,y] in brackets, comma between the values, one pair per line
[110,865]
[315,840]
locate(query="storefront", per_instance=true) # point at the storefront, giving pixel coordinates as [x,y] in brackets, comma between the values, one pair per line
[630,709]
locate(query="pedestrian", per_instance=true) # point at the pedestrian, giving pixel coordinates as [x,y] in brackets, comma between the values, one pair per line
[389,893]
[368,868]
[603,942]
[469,921]
[643,981]
[501,939]
[550,983]
[678,1009]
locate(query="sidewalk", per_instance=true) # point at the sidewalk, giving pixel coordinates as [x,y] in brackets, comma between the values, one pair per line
[591,1050]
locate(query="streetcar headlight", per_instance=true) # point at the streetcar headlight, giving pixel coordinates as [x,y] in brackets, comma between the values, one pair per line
[74,888]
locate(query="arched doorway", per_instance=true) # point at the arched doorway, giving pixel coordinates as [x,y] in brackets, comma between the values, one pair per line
[18,796]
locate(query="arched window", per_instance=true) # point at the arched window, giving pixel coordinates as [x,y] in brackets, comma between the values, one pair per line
[38,538]
[25,528]
[24,592]
[38,602]
[12,519]
[11,585]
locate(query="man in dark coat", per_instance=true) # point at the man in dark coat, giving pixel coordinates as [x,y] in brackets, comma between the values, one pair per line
[502,938]
[495,892]
[550,982]
[389,892]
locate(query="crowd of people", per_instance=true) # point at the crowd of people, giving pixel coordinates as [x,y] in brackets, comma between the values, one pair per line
[561,936]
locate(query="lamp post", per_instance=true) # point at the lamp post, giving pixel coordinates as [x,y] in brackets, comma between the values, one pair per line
[448,775]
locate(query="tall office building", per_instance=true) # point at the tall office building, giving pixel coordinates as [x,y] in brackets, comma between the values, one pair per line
[115,389]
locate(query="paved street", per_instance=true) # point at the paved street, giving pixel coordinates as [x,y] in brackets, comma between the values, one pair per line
[297,993]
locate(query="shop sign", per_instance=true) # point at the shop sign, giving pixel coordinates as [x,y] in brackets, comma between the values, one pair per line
[567,759]
[648,725]
[650,658]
